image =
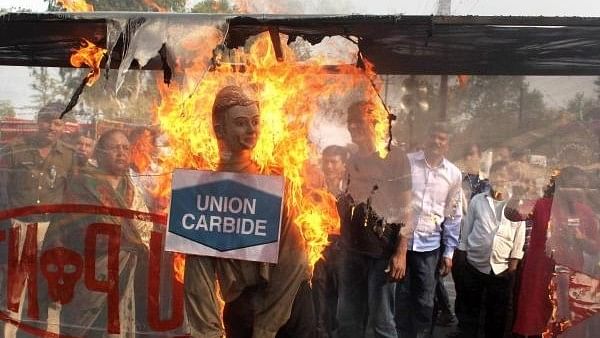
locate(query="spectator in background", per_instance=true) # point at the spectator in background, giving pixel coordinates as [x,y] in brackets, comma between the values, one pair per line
[86,315]
[519,156]
[325,279]
[473,184]
[502,153]
[437,206]
[38,168]
[333,164]
[493,246]
[471,159]
[84,148]
[39,164]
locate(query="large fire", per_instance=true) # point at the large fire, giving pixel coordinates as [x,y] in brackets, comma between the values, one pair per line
[289,94]
[142,151]
[91,56]
[75,5]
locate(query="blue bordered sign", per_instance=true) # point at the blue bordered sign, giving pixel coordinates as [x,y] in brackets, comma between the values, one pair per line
[224,214]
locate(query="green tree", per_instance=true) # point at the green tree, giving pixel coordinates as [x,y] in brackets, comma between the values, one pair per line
[6,109]
[597,89]
[491,109]
[583,108]
[487,96]
[213,6]
[15,9]
[45,86]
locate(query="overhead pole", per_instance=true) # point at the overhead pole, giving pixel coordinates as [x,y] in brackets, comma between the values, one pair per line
[444,8]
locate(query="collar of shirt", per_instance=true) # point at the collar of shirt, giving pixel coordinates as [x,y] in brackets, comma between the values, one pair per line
[495,205]
[492,239]
[420,156]
[59,147]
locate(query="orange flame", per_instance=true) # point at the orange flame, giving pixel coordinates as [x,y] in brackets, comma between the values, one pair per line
[89,55]
[75,5]
[555,325]
[141,151]
[179,266]
[155,6]
[551,329]
[289,94]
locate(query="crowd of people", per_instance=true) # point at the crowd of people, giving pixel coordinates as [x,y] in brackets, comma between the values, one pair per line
[490,230]
[383,275]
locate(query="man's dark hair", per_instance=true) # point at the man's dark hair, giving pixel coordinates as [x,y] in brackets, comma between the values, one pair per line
[439,127]
[498,165]
[227,97]
[50,111]
[84,132]
[335,150]
[361,108]
[469,148]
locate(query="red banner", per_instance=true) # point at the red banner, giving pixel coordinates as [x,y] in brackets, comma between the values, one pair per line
[101,284]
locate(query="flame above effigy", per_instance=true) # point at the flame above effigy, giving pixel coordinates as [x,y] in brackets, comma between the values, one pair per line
[75,5]
[91,56]
[289,93]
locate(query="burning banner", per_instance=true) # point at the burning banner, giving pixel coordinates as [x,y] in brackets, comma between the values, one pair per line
[89,55]
[83,217]
[83,250]
[576,299]
[573,243]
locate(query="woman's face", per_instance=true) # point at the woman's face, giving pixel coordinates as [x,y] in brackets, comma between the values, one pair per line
[115,155]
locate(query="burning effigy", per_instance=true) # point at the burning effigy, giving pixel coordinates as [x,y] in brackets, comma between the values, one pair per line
[93,260]
[212,175]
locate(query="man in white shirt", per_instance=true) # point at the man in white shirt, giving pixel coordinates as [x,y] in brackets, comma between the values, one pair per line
[436,201]
[493,246]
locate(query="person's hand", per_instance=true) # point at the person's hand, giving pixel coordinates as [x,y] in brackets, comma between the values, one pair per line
[445,266]
[397,267]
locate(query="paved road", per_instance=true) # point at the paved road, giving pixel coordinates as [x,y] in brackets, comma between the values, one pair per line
[439,331]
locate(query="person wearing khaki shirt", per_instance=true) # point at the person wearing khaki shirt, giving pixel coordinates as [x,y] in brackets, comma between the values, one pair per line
[38,166]
[493,245]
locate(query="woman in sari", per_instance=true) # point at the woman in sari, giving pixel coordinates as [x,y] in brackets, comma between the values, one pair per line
[88,314]
[567,241]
